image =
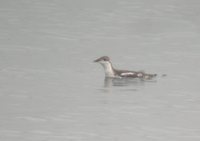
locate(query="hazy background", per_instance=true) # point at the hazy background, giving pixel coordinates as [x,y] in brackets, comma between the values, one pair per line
[50,90]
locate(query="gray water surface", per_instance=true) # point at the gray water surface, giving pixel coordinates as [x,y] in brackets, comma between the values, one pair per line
[50,89]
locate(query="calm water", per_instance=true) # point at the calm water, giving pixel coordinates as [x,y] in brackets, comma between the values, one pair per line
[50,90]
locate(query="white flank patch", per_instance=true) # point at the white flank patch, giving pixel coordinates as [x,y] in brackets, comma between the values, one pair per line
[139,74]
[127,73]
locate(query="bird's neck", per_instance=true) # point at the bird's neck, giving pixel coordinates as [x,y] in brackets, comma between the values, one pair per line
[109,70]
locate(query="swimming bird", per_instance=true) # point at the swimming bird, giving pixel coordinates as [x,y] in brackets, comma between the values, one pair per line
[111,72]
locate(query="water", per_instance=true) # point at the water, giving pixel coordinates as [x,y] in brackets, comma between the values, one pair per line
[51,90]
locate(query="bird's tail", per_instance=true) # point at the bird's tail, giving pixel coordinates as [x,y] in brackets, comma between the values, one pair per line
[149,76]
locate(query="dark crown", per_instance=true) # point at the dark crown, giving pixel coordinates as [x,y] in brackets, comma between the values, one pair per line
[103,58]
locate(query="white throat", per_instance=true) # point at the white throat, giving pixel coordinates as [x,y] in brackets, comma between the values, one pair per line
[109,72]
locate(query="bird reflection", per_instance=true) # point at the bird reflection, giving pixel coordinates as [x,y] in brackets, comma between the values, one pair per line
[120,82]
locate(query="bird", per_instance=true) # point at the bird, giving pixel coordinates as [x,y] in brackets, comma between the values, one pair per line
[111,72]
